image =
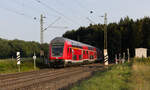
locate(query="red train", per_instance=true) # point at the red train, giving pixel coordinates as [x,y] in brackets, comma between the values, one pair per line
[64,52]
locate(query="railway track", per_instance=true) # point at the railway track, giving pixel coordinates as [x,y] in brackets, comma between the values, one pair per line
[46,79]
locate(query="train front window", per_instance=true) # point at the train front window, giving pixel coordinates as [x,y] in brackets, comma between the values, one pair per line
[57,50]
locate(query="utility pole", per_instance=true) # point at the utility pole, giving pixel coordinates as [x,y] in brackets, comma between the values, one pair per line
[41,31]
[105,40]
[105,31]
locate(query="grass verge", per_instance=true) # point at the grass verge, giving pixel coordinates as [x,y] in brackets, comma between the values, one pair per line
[27,64]
[140,79]
[116,78]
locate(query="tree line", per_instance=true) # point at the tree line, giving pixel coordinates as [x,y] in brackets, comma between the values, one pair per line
[8,48]
[127,33]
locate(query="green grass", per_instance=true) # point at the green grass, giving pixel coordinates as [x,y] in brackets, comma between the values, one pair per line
[140,74]
[129,76]
[10,66]
[116,78]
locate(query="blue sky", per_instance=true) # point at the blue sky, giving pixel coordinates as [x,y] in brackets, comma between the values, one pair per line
[17,16]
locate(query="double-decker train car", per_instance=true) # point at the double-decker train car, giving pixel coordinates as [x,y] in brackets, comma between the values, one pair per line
[64,52]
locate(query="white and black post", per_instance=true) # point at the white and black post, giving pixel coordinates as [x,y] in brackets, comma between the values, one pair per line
[105,57]
[18,61]
[105,40]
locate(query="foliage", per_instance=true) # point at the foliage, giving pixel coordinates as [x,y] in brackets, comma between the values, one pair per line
[8,48]
[10,66]
[121,36]
[27,64]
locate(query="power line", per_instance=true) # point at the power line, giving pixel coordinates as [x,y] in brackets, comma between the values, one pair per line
[50,26]
[90,20]
[52,23]
[18,13]
[30,7]
[85,9]
[62,4]
[54,10]
[80,5]
[20,4]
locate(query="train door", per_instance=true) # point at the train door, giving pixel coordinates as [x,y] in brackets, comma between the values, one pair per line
[74,54]
[95,55]
[69,51]
[80,53]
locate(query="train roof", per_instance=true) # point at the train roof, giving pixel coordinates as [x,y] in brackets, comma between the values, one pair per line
[74,43]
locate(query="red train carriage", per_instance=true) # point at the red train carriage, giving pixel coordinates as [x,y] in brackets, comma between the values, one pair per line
[64,52]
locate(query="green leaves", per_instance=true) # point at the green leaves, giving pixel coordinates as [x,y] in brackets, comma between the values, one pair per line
[120,36]
[8,48]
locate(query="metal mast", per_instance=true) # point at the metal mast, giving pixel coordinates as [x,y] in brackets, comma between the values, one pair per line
[41,31]
[105,40]
[105,31]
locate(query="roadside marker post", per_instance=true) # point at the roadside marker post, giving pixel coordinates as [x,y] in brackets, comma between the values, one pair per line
[105,57]
[34,58]
[18,60]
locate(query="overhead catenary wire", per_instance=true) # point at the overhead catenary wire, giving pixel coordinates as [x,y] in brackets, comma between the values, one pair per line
[18,13]
[52,23]
[22,5]
[63,5]
[85,9]
[81,5]
[90,20]
[54,10]
[35,10]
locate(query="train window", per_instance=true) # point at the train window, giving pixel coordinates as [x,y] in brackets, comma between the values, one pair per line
[80,57]
[91,57]
[87,52]
[68,50]
[74,57]
[57,50]
[84,52]
[95,54]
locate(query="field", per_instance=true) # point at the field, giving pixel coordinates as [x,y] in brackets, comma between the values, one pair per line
[140,78]
[27,64]
[129,76]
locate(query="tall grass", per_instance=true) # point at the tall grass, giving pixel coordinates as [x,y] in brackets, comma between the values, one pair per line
[129,76]
[10,66]
[116,78]
[140,79]
[142,61]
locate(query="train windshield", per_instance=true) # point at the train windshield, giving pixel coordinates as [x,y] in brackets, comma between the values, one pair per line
[57,50]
